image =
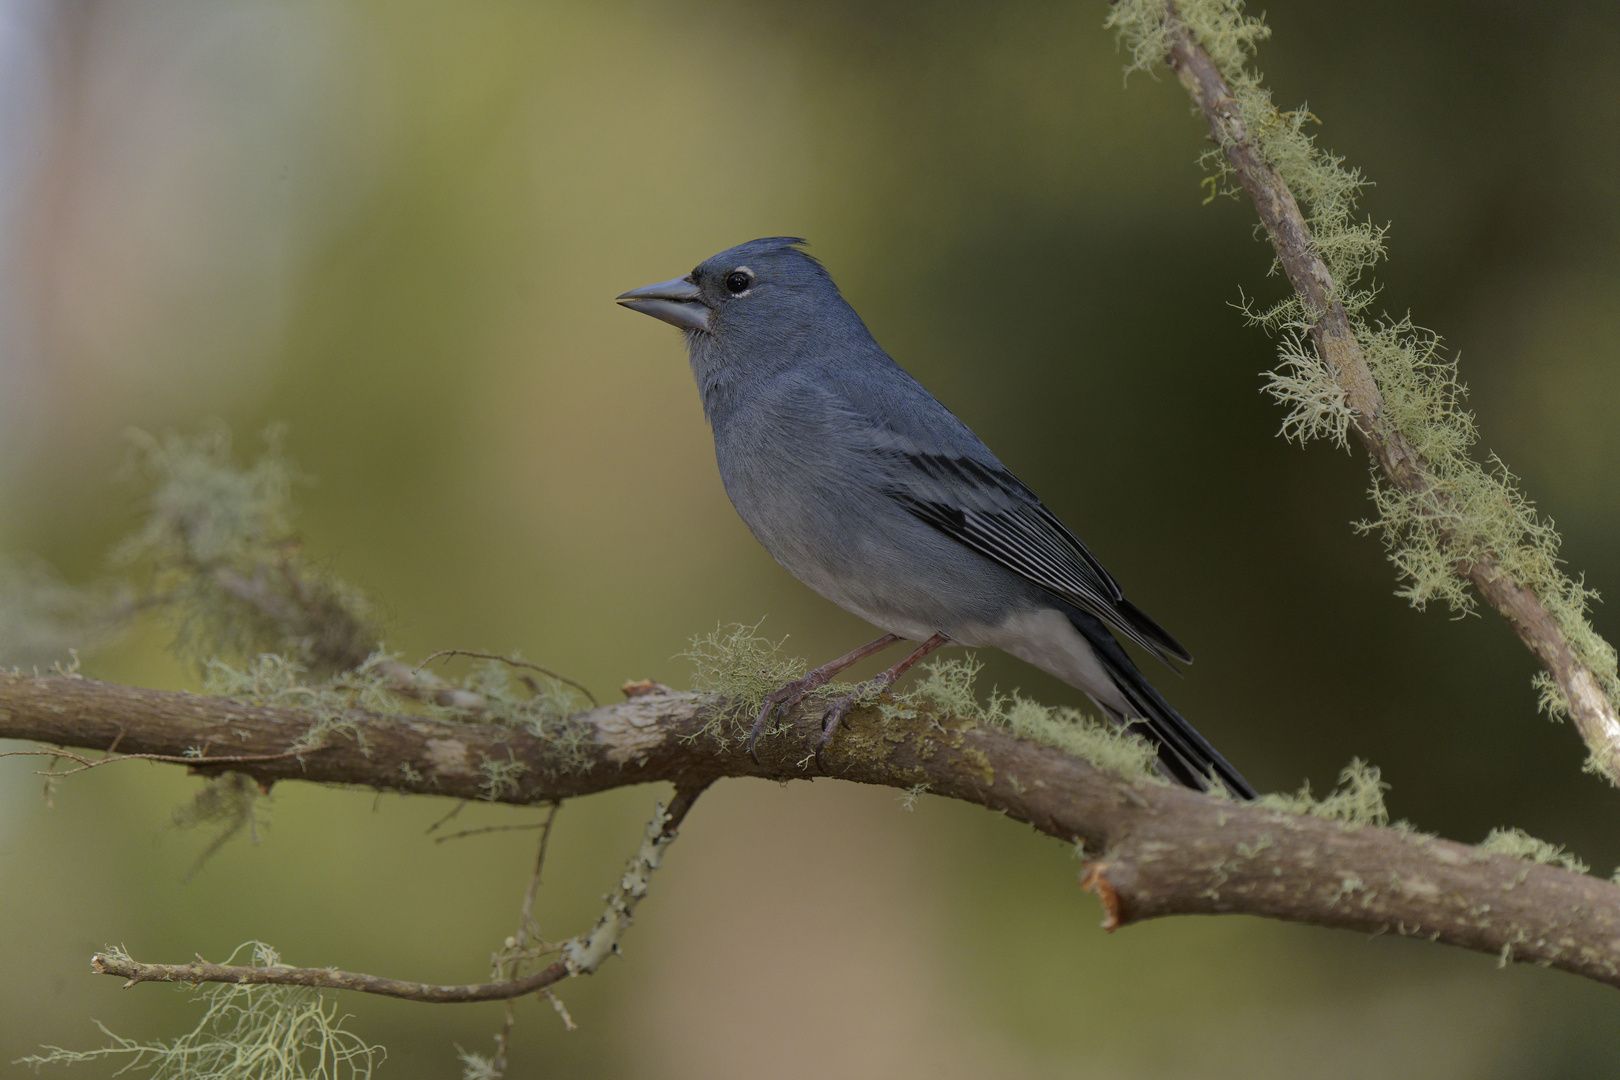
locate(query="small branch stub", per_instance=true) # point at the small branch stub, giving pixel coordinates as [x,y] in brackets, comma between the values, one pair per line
[1094,879]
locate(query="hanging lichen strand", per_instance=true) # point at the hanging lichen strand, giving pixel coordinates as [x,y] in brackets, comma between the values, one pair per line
[1447,519]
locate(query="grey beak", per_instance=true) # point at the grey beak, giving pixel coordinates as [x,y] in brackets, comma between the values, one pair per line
[677,302]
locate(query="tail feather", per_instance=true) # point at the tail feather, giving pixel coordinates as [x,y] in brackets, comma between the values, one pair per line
[1164,646]
[1184,754]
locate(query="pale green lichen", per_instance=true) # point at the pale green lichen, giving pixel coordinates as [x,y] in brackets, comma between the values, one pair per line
[542,705]
[231,804]
[947,689]
[43,619]
[204,507]
[1304,386]
[252,1032]
[273,679]
[216,554]
[1521,845]
[586,953]
[477,1066]
[219,550]
[1358,800]
[1472,507]
[739,664]
[498,778]
[909,797]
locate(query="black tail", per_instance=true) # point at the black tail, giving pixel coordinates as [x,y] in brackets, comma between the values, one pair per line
[1183,753]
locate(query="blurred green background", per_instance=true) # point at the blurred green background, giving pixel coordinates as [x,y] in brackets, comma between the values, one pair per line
[399,226]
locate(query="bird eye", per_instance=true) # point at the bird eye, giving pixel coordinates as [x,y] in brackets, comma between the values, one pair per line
[738,281]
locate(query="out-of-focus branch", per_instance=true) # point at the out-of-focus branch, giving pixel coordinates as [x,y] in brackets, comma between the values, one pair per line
[200,971]
[1526,612]
[578,956]
[1156,850]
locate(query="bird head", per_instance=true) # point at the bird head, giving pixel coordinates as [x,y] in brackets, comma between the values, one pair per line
[757,293]
[754,313]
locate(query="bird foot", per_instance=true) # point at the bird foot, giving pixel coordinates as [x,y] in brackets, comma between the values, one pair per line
[834,716]
[869,691]
[784,697]
[794,692]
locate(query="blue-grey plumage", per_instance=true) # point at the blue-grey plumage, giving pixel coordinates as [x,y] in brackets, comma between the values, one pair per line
[862,485]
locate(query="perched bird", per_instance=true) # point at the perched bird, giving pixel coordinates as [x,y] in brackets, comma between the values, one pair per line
[868,490]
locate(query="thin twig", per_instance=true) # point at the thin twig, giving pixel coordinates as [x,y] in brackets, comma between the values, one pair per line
[581,955]
[85,763]
[455,811]
[518,943]
[513,662]
[526,914]
[324,979]
[484,829]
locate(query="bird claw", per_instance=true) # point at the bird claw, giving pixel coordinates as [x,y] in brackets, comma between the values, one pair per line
[783,698]
[789,696]
[759,727]
[834,716]
[794,692]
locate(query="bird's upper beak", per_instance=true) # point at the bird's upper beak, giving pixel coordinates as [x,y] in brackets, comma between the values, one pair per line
[677,302]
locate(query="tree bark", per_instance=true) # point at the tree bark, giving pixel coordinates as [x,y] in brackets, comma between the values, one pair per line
[1155,849]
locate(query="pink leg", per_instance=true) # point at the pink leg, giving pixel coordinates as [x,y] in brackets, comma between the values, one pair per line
[841,708]
[793,691]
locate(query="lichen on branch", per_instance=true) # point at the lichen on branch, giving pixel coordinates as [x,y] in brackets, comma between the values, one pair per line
[266,1032]
[1449,518]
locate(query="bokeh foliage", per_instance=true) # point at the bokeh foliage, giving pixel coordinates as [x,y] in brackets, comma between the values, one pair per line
[451,196]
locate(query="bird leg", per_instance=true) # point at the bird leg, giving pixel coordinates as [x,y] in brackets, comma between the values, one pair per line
[790,694]
[840,708]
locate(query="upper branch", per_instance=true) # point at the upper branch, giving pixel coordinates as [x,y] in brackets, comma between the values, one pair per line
[1156,849]
[1331,330]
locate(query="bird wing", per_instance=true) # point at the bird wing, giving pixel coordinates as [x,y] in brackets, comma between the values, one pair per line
[984,507]
[939,470]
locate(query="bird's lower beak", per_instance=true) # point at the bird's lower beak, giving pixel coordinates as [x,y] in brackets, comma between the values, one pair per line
[677,302]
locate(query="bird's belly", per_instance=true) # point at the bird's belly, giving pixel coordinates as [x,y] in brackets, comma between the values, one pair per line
[860,549]
[1045,638]
[872,597]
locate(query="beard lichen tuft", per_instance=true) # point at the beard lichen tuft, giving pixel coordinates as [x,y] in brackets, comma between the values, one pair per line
[1358,800]
[44,619]
[739,664]
[220,555]
[266,1032]
[947,689]
[1521,845]
[232,805]
[542,705]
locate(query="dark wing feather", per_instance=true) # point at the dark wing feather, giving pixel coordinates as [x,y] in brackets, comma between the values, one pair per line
[1184,754]
[986,508]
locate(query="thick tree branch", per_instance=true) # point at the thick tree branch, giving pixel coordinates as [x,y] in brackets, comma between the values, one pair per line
[1594,714]
[1157,850]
